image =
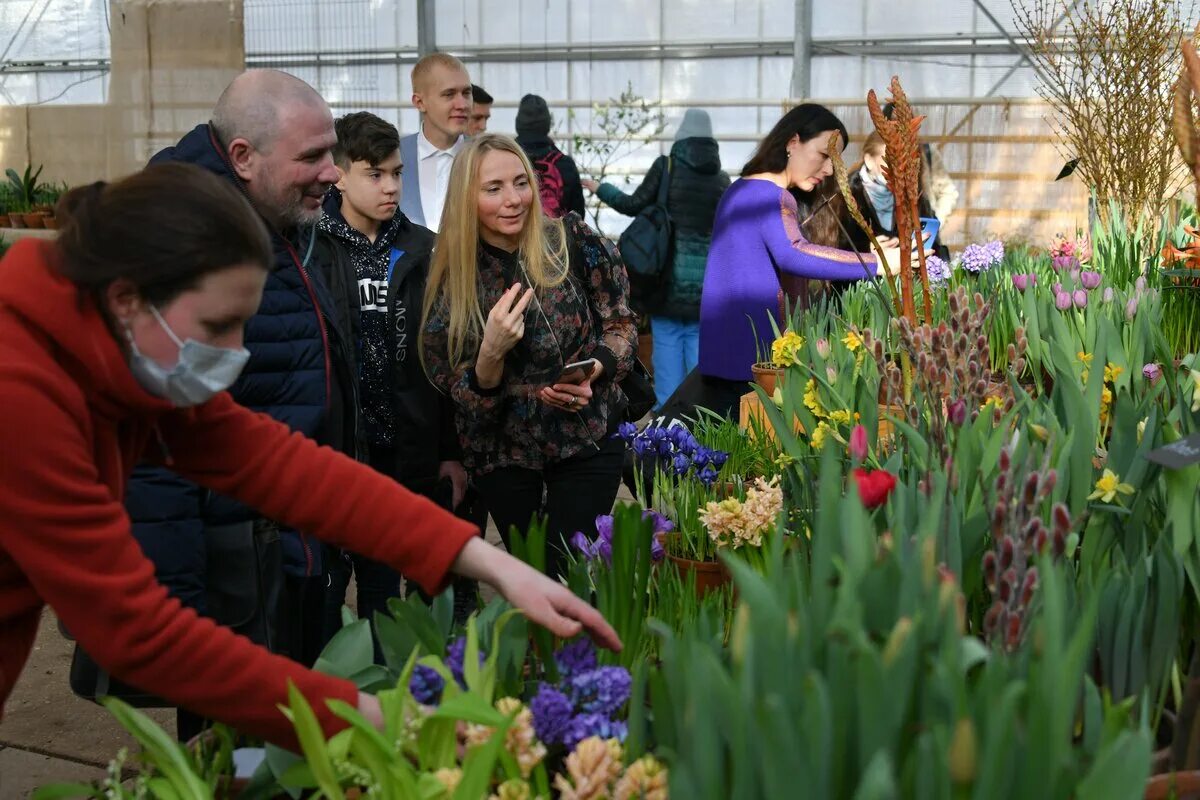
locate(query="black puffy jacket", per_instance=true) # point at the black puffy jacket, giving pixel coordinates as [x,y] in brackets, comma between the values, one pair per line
[697,184]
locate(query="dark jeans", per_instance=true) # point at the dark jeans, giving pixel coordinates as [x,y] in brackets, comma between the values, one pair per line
[571,493]
[377,582]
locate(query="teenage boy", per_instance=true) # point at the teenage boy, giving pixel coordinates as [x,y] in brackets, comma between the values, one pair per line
[379,263]
[442,93]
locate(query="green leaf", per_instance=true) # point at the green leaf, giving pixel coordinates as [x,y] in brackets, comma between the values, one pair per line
[436,743]
[312,742]
[479,765]
[469,707]
[349,651]
[1120,770]
[878,781]
[161,749]
[60,791]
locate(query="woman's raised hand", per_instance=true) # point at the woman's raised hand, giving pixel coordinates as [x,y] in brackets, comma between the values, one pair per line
[505,324]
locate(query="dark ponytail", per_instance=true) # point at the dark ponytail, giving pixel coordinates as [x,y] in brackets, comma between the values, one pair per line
[163,229]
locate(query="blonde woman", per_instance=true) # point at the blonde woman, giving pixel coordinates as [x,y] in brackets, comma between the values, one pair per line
[512,299]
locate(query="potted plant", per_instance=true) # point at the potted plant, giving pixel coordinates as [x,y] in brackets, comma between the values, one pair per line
[25,188]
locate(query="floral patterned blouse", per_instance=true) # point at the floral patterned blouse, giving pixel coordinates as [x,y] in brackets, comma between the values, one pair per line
[586,316]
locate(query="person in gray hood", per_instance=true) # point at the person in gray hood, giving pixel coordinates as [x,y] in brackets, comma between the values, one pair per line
[696,186]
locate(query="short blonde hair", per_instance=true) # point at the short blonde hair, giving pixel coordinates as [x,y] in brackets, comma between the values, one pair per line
[423,67]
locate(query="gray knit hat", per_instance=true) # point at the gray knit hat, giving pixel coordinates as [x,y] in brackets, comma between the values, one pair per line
[533,116]
[695,124]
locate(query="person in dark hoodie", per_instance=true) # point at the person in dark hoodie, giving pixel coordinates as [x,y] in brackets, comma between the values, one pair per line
[558,176]
[271,137]
[377,261]
[696,186]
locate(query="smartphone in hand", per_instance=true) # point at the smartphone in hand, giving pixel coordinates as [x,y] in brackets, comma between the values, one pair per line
[929,231]
[578,372]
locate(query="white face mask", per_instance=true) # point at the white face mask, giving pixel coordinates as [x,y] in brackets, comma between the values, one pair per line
[201,372]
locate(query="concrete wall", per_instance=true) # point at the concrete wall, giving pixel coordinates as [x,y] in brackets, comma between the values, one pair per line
[170,61]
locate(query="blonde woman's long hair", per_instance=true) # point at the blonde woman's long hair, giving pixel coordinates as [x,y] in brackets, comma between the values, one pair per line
[453,270]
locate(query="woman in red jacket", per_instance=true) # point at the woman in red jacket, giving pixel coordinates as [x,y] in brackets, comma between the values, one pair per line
[116,344]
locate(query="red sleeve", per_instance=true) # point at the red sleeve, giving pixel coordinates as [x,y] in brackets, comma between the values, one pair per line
[71,539]
[290,479]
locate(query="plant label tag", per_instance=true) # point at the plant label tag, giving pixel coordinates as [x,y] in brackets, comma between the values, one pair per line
[1178,455]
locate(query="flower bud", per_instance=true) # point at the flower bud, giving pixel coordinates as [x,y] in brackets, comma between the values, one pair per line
[858,444]
[994,617]
[957,412]
[1061,517]
[1062,301]
[1131,307]
[823,348]
[896,640]
[962,757]
[990,570]
[1152,372]
[1089,279]
[1108,295]
[1080,298]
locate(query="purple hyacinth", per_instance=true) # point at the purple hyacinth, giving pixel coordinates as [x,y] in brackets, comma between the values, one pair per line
[426,685]
[601,691]
[552,714]
[977,258]
[575,658]
[455,654]
[937,270]
[587,725]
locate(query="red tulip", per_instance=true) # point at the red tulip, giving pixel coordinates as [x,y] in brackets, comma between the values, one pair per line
[874,486]
[858,444]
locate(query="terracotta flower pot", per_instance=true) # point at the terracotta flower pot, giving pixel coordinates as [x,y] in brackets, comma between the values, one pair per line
[1174,785]
[33,220]
[710,575]
[768,377]
[50,223]
[4,221]
[16,220]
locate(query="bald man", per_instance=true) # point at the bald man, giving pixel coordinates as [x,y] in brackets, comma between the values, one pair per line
[271,136]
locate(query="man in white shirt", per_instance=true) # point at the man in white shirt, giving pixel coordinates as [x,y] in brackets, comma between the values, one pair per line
[442,93]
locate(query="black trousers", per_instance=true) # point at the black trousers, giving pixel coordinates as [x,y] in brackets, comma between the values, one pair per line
[571,493]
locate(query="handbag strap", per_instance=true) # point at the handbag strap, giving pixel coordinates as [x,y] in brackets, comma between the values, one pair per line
[665,184]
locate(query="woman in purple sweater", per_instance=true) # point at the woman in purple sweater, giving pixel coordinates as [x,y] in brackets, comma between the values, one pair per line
[756,236]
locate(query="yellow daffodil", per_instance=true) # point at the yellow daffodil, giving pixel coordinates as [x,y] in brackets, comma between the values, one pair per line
[1195,389]
[820,434]
[1112,372]
[1084,358]
[1142,429]
[839,417]
[1106,398]
[785,350]
[852,341]
[812,400]
[994,400]
[1108,486]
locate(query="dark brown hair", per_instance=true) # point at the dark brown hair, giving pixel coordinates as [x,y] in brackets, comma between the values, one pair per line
[362,136]
[806,121]
[163,229]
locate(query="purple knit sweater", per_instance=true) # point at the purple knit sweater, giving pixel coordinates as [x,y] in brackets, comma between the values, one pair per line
[755,233]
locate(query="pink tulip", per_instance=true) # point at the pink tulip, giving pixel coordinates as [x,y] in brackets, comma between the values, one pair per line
[823,348]
[1108,294]
[858,444]
[1022,282]
[1062,301]
[1080,298]
[1057,287]
[1063,262]
[1131,307]
[1089,279]
[1152,372]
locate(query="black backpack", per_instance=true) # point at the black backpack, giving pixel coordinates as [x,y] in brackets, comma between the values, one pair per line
[646,245]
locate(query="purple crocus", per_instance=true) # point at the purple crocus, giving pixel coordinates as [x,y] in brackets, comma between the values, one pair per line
[604,527]
[426,685]
[1080,298]
[1089,279]
[661,523]
[588,725]
[584,545]
[600,691]
[576,657]
[1062,300]
[552,713]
